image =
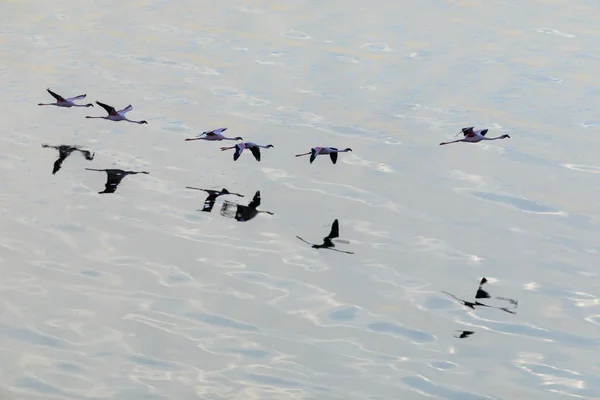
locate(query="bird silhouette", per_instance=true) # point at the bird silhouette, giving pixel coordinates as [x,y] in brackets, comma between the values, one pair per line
[482,294]
[463,334]
[209,203]
[328,240]
[243,213]
[114,177]
[65,151]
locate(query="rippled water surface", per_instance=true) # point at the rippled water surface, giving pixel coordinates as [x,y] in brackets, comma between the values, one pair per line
[139,295]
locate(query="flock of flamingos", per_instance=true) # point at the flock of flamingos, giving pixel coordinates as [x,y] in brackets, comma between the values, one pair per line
[245,213]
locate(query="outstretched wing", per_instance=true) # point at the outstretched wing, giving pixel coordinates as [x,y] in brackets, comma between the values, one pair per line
[313,155]
[125,110]
[58,97]
[81,96]
[468,132]
[483,132]
[255,200]
[109,109]
[335,230]
[333,157]
[255,152]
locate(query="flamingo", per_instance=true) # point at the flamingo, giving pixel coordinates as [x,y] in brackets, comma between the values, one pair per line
[332,151]
[114,177]
[216,134]
[253,147]
[62,102]
[65,151]
[115,115]
[474,136]
[328,240]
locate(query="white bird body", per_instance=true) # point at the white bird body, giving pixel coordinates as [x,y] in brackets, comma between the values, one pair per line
[474,136]
[332,151]
[114,115]
[65,102]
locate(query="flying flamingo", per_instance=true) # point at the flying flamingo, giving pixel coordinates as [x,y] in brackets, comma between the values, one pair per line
[332,151]
[474,136]
[253,147]
[62,102]
[114,115]
[216,134]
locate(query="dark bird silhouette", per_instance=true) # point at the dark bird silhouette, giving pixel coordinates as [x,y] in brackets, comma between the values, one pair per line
[482,294]
[209,203]
[65,151]
[328,240]
[462,334]
[114,177]
[243,213]
[68,102]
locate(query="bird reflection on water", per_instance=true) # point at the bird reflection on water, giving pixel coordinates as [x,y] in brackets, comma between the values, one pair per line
[114,177]
[209,203]
[462,334]
[328,240]
[65,151]
[483,294]
[243,213]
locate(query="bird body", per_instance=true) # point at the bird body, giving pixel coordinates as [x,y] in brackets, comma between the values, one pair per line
[253,147]
[114,115]
[65,102]
[332,151]
[214,135]
[474,136]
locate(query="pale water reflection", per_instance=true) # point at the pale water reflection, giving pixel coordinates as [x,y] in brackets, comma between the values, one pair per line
[137,295]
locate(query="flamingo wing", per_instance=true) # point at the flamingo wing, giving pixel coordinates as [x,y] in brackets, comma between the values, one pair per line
[80,97]
[255,152]
[238,151]
[109,109]
[58,97]
[333,156]
[313,154]
[125,110]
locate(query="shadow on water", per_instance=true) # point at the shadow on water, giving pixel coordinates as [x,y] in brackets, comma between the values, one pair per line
[114,177]
[462,334]
[483,294]
[209,203]
[328,240]
[243,213]
[65,151]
